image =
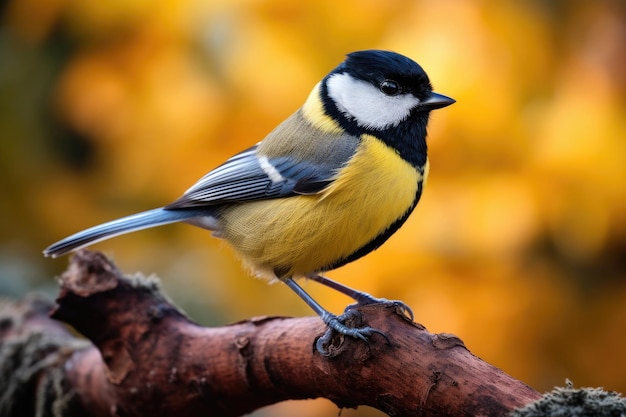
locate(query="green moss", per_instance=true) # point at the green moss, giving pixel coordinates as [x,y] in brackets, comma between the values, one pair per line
[570,402]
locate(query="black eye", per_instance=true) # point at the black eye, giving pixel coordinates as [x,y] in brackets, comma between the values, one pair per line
[390,87]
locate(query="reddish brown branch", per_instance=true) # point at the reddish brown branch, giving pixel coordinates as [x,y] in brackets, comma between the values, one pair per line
[149,359]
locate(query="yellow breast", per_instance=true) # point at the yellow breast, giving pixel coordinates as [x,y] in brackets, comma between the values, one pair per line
[297,235]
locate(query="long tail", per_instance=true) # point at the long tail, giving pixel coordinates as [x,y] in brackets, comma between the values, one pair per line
[139,221]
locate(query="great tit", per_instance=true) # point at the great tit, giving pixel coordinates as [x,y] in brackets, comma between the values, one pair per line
[327,186]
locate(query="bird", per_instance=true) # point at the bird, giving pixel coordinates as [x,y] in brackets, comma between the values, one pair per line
[328,185]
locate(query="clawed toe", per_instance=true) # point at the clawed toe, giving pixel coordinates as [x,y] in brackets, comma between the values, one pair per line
[402,309]
[336,326]
[399,306]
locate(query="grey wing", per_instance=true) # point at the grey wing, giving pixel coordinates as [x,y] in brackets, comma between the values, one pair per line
[248,176]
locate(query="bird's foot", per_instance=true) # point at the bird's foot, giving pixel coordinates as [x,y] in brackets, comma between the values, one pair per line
[400,307]
[336,326]
[362,298]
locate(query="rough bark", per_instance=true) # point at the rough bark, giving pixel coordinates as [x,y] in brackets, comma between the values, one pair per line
[147,358]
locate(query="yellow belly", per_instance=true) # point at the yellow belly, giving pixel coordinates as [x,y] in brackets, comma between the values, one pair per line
[297,235]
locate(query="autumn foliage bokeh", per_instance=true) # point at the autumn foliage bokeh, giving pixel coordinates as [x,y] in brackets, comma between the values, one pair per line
[518,245]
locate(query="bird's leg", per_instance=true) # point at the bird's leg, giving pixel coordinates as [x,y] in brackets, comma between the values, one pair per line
[333,322]
[362,298]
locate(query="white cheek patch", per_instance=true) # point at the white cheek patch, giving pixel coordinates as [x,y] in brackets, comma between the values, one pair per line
[369,106]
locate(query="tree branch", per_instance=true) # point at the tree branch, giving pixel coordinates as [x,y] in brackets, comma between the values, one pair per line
[148,358]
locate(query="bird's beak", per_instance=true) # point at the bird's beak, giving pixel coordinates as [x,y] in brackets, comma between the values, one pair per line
[435,101]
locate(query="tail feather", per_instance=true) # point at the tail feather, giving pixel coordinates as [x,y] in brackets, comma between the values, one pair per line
[139,221]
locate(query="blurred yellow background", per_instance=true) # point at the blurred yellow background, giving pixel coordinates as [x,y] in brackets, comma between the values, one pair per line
[518,245]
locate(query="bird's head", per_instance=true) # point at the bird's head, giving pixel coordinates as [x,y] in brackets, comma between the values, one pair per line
[377,90]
